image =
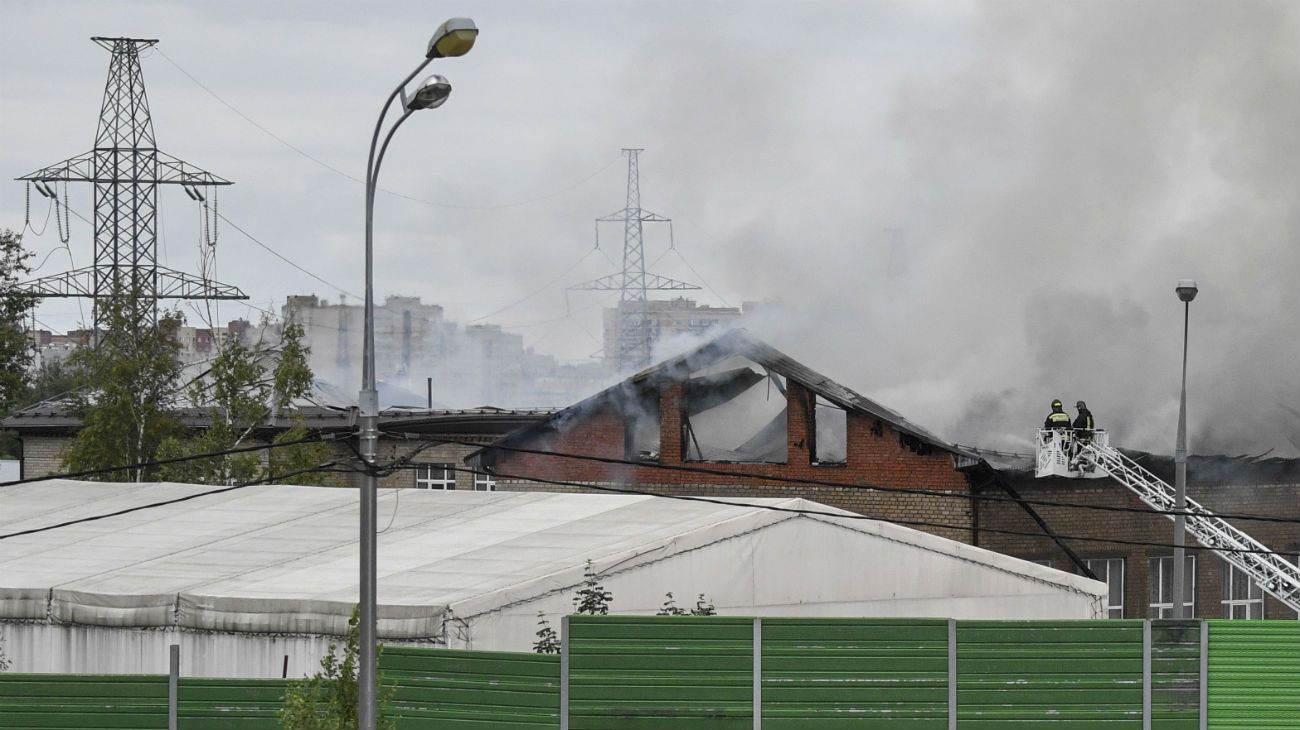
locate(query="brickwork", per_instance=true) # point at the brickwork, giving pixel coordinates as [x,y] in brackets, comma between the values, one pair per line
[876,455]
[43,455]
[1272,500]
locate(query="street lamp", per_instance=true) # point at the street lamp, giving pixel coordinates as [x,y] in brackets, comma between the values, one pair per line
[453,38]
[1186,290]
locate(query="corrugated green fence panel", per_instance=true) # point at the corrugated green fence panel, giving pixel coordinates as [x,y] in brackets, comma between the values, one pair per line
[654,673]
[855,673]
[1175,675]
[1254,675]
[1057,675]
[230,704]
[82,702]
[471,690]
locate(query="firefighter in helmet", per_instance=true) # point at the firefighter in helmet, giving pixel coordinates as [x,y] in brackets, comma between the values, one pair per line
[1083,424]
[1058,419]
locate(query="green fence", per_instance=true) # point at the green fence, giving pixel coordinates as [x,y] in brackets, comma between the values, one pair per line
[689,673]
[1254,673]
[650,673]
[1077,675]
[471,690]
[229,704]
[859,673]
[78,701]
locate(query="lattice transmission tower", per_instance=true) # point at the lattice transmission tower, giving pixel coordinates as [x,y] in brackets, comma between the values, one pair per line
[126,167]
[635,335]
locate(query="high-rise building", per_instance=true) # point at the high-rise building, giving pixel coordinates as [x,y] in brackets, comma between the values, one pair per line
[664,319]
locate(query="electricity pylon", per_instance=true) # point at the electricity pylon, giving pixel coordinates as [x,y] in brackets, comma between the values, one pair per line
[634,334]
[126,167]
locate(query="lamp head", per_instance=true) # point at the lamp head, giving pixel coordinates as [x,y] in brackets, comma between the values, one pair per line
[453,38]
[1186,290]
[432,93]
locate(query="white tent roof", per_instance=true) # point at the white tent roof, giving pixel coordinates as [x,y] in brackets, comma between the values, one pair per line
[285,558]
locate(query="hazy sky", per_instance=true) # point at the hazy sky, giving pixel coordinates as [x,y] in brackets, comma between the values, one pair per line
[965,209]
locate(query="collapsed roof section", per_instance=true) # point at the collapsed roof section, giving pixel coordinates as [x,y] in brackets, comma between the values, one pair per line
[728,379]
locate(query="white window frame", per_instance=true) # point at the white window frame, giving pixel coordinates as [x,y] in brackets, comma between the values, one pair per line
[1253,603]
[1160,607]
[435,476]
[484,482]
[1104,568]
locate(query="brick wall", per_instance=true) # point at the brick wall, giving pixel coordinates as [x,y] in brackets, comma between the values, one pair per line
[875,456]
[1279,500]
[43,455]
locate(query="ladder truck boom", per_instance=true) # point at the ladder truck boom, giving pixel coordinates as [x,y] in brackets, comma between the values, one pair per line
[1060,454]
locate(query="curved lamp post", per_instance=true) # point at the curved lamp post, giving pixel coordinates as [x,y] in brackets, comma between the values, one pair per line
[453,38]
[1186,290]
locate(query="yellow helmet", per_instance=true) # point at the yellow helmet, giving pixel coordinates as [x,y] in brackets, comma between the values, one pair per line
[1056,403]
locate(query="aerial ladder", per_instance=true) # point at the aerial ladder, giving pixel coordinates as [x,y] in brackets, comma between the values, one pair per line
[1090,456]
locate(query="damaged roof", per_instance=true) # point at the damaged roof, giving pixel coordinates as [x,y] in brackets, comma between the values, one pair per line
[740,342]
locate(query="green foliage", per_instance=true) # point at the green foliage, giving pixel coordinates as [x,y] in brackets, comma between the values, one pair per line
[129,410]
[670,607]
[327,700]
[15,349]
[244,393]
[548,642]
[703,607]
[592,598]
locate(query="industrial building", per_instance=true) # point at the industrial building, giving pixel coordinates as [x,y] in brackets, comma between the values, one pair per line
[739,418]
[242,579]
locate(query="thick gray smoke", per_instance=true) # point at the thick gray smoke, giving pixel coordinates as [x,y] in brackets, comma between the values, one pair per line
[1050,190]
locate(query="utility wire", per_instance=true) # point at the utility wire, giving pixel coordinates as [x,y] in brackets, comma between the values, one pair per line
[281,256]
[164,503]
[848,515]
[355,179]
[164,462]
[755,477]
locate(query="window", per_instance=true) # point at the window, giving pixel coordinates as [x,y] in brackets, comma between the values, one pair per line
[483,482]
[435,476]
[1161,581]
[1242,596]
[830,433]
[1111,572]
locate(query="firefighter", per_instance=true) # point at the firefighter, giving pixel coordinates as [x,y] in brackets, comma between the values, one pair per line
[1083,427]
[1058,419]
[1083,424]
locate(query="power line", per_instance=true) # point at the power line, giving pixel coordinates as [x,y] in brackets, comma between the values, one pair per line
[540,289]
[166,502]
[842,515]
[164,462]
[355,179]
[757,477]
[282,257]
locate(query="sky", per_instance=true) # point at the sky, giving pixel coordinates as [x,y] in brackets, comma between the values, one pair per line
[960,209]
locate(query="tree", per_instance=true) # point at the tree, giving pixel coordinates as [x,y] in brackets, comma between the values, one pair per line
[129,407]
[592,598]
[15,346]
[548,642]
[245,389]
[327,700]
[670,607]
[703,607]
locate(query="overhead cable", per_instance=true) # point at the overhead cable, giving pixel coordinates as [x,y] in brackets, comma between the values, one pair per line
[498,206]
[757,477]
